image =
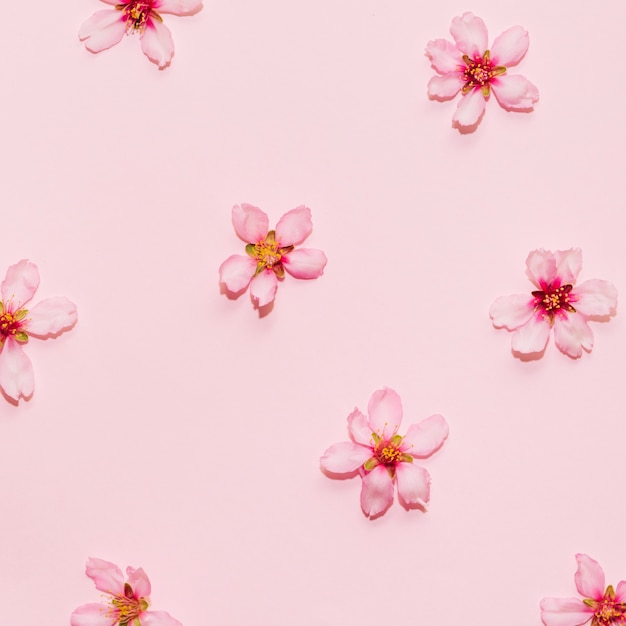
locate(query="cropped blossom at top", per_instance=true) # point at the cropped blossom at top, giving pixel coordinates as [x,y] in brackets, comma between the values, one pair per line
[49,318]
[382,457]
[468,66]
[557,302]
[270,253]
[601,606]
[128,601]
[136,17]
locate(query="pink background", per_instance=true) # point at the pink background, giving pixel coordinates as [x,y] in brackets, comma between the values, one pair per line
[176,430]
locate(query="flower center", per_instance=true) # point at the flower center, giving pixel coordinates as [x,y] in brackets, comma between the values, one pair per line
[126,608]
[607,612]
[552,301]
[136,14]
[478,73]
[268,254]
[387,452]
[11,324]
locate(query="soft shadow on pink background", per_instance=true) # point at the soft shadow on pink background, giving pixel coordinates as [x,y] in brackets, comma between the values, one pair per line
[175,430]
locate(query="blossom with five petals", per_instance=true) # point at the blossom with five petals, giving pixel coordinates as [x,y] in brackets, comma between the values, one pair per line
[556,303]
[49,318]
[270,252]
[143,17]
[603,606]
[469,67]
[128,602]
[383,457]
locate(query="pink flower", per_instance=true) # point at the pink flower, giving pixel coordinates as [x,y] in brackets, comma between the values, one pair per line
[469,67]
[604,607]
[383,457]
[556,303]
[128,602]
[270,252]
[106,28]
[49,318]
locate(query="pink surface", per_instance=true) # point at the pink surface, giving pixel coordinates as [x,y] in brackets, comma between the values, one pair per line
[175,430]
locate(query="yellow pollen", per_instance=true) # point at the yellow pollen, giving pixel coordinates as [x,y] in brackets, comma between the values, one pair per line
[267,253]
[390,455]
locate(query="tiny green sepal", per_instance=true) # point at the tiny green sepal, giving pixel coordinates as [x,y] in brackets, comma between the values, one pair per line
[610,592]
[370,464]
[589,603]
[251,249]
[21,336]
[485,90]
[407,458]
[396,440]
[20,315]
[279,270]
[376,438]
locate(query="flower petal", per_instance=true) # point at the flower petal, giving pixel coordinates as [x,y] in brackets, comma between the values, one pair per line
[470,109]
[541,267]
[413,483]
[385,412]
[568,264]
[589,577]
[51,317]
[595,298]
[20,284]
[444,87]
[620,591]
[572,334]
[564,612]
[444,56]
[514,93]
[178,7]
[470,34]
[532,337]
[511,311]
[425,437]
[305,263]
[16,371]
[158,618]
[157,43]
[509,48]
[345,457]
[236,272]
[102,30]
[251,224]
[359,429]
[263,287]
[294,226]
[376,491]
[107,576]
[139,581]
[93,615]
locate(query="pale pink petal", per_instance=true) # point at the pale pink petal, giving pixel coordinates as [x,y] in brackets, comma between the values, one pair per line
[113,2]
[564,612]
[514,92]
[51,317]
[413,483]
[251,224]
[568,265]
[102,30]
[620,592]
[470,109]
[305,263]
[425,437]
[444,56]
[532,337]
[511,311]
[359,429]
[20,284]
[444,87]
[16,371]
[158,618]
[178,7]
[572,334]
[470,34]
[595,298]
[139,581]
[345,457]
[589,577]
[385,412]
[107,576]
[93,615]
[294,226]
[509,48]
[376,491]
[263,287]
[541,267]
[157,43]
[237,271]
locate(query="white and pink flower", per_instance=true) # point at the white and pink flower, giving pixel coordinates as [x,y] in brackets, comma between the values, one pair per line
[128,602]
[270,253]
[602,606]
[49,318]
[383,457]
[468,66]
[136,17]
[556,303]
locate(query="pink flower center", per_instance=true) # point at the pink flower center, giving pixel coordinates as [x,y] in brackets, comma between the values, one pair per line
[607,612]
[136,14]
[551,301]
[387,452]
[11,324]
[478,73]
[268,254]
[126,608]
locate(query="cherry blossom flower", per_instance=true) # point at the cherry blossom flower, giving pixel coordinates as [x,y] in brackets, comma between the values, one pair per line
[604,607]
[270,252]
[128,602]
[142,17]
[383,457]
[556,303]
[469,67]
[49,318]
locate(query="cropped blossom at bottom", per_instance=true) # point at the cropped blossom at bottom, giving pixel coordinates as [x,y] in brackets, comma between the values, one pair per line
[127,602]
[383,458]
